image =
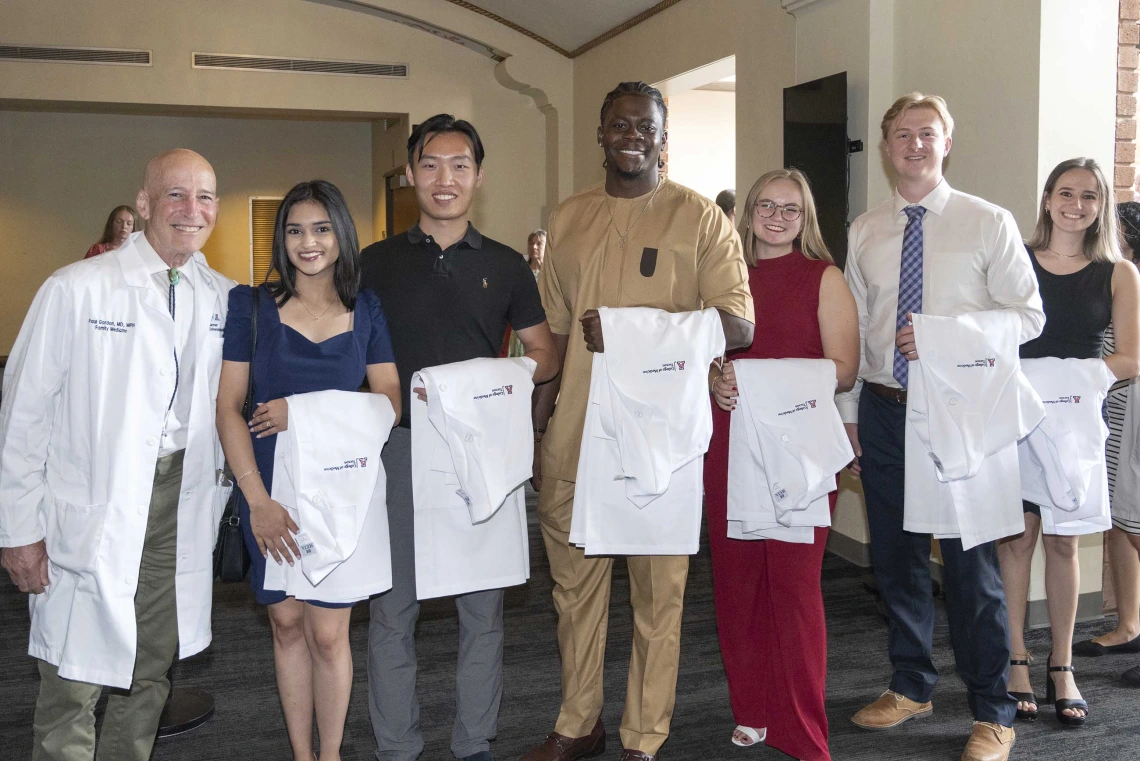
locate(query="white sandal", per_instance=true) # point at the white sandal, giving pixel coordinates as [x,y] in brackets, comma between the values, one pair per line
[757,737]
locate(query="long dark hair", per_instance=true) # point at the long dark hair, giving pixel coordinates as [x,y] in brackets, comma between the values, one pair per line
[346,271]
[109,227]
[1128,217]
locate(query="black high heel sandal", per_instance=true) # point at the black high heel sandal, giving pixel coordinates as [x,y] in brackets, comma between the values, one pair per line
[1063,704]
[1025,697]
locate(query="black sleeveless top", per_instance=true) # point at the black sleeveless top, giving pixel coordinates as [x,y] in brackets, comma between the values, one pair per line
[1078,308]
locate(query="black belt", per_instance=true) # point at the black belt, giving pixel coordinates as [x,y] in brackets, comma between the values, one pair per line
[896,395]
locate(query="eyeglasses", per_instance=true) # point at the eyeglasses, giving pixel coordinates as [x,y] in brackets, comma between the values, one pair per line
[789,212]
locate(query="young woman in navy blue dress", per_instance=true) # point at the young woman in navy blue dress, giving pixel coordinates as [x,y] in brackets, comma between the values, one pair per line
[316,332]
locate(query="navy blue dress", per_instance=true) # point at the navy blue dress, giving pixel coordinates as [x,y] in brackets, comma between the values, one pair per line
[288,363]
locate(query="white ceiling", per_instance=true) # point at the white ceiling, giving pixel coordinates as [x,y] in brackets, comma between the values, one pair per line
[567,23]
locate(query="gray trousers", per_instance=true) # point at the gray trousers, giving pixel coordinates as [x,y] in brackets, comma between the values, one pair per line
[392,701]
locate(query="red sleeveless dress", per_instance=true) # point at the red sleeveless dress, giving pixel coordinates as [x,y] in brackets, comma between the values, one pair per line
[769,607]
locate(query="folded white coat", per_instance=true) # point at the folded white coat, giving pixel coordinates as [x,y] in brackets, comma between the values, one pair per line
[648,423]
[786,443]
[472,450]
[1062,460]
[328,474]
[967,406]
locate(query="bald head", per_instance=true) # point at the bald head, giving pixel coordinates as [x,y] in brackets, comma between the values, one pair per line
[180,203]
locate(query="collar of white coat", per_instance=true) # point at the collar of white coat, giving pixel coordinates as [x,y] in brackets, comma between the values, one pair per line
[935,201]
[139,261]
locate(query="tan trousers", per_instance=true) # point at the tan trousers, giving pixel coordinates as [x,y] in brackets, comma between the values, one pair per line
[64,725]
[582,599]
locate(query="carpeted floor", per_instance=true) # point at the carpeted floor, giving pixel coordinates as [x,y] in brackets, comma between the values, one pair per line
[238,670]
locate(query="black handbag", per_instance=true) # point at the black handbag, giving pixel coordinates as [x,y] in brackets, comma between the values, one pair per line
[231,556]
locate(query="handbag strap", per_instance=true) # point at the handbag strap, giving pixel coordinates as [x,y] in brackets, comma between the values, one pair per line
[247,408]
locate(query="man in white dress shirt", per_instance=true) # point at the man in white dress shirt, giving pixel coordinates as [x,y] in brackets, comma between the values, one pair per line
[934,250]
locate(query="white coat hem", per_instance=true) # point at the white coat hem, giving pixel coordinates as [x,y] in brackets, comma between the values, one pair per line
[185,651]
[640,550]
[454,590]
[88,675]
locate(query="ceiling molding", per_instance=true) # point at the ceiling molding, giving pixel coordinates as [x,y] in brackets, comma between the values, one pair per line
[791,6]
[470,43]
[643,16]
[718,87]
[511,25]
[604,37]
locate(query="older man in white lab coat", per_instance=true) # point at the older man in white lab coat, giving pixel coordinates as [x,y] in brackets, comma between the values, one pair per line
[110,485]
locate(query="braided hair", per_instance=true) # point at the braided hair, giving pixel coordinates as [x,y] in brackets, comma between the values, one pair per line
[635,88]
[1128,214]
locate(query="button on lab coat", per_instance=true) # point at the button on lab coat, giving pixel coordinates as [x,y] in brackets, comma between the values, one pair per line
[327,473]
[86,391]
[648,423]
[1062,460]
[472,451]
[786,443]
[967,405]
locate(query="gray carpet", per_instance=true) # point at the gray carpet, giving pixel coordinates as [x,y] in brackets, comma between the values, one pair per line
[238,670]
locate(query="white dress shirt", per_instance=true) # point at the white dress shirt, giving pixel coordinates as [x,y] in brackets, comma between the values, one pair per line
[179,376]
[973,260]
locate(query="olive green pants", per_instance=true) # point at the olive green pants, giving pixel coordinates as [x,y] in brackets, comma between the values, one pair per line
[64,724]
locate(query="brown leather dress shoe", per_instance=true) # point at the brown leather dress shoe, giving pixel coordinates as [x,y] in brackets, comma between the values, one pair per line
[558,747]
[890,710]
[636,755]
[989,742]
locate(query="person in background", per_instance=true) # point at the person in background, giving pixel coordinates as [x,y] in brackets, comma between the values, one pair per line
[110,465]
[450,294]
[1084,286]
[935,250]
[637,240]
[536,250]
[1122,541]
[767,592]
[317,331]
[726,200]
[122,221]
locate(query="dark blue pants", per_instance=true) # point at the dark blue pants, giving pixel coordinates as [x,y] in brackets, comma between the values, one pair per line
[975,598]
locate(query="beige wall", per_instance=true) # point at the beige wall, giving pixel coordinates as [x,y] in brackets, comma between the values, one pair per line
[1077,88]
[443,77]
[63,173]
[759,34]
[702,140]
[984,61]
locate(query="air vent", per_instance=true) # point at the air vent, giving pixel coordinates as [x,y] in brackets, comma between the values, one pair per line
[110,56]
[299,65]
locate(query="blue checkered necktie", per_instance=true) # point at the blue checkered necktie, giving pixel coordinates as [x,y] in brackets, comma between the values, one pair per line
[910,282]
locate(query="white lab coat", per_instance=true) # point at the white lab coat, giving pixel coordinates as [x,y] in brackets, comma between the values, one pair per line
[967,406]
[472,451]
[86,391]
[1062,461]
[327,473]
[648,423]
[786,443]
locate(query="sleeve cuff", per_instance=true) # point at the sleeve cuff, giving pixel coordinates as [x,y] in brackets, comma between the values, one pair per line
[848,403]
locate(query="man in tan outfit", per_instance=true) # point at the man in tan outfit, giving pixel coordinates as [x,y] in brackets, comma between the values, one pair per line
[636,241]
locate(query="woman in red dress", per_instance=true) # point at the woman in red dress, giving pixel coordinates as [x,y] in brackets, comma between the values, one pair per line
[768,602]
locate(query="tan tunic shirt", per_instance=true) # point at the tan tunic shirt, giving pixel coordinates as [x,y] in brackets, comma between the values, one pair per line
[680,255]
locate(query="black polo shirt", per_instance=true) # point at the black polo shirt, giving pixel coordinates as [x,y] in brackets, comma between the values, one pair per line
[448,306]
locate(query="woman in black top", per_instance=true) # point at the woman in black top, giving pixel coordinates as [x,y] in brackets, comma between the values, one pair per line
[1085,284]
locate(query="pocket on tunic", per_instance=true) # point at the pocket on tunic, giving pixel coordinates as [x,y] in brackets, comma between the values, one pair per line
[73,534]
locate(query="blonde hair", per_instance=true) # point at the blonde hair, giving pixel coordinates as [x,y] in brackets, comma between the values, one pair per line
[1101,243]
[809,241]
[917,100]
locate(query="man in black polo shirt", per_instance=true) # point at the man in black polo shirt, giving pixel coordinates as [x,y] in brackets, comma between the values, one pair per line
[449,294]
